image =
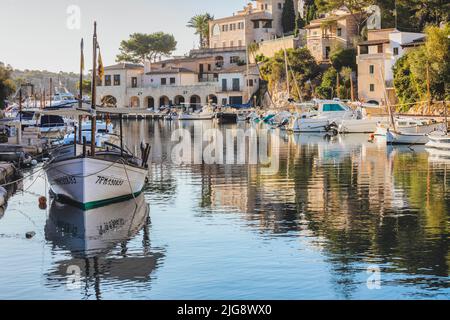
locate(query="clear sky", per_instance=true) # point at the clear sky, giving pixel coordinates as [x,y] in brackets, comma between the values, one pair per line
[43,35]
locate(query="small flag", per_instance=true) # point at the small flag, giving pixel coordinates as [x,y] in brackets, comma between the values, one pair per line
[82,55]
[101,69]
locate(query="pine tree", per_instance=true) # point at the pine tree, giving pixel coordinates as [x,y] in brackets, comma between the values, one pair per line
[288,17]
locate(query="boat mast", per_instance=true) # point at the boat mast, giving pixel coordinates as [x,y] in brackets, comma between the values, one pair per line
[94,93]
[80,99]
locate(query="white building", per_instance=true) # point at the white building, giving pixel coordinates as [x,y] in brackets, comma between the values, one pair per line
[176,82]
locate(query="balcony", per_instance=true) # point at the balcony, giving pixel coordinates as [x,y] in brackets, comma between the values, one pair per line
[216,50]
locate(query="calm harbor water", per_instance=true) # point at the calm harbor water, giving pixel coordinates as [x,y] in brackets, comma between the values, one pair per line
[336,210]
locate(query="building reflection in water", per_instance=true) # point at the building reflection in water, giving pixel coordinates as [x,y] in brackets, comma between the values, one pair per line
[359,202]
[362,201]
[91,236]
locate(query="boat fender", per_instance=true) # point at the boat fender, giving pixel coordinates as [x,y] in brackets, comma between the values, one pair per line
[42,203]
[3,196]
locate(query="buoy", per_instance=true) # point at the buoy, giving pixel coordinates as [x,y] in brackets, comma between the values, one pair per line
[42,203]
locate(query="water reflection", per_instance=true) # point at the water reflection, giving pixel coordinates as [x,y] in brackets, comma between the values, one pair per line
[98,244]
[361,201]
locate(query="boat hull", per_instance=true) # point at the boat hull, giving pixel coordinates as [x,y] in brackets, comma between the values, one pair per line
[310,125]
[91,183]
[358,126]
[406,138]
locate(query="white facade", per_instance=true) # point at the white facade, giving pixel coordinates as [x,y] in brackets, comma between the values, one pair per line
[174,86]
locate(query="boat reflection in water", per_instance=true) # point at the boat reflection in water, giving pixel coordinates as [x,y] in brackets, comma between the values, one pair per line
[97,241]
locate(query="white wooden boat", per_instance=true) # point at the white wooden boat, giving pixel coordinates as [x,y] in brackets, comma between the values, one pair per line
[410,125]
[203,114]
[98,176]
[89,182]
[395,137]
[439,140]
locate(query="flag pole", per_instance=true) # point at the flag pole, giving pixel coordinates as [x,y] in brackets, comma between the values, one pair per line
[94,87]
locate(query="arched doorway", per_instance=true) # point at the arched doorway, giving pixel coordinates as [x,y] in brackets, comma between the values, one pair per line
[150,102]
[212,99]
[109,101]
[164,101]
[179,100]
[195,102]
[135,102]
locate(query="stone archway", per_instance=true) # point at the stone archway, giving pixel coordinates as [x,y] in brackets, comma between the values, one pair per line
[149,102]
[164,101]
[179,100]
[109,101]
[195,101]
[135,102]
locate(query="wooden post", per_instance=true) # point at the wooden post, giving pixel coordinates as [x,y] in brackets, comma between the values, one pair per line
[352,93]
[121,134]
[50,92]
[84,147]
[428,89]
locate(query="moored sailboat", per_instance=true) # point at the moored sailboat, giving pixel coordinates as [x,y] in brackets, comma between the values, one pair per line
[98,176]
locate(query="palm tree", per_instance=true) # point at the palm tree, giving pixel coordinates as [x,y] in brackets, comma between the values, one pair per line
[200,23]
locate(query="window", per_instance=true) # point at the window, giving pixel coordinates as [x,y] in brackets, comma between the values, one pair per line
[117,79]
[363,49]
[231,43]
[396,51]
[134,82]
[216,30]
[172,80]
[380,48]
[250,82]
[107,80]
[339,32]
[240,43]
[224,85]
[234,59]
[256,24]
[224,101]
[330,107]
[280,6]
[372,87]
[371,69]
[224,44]
[163,81]
[209,67]
[268,25]
[236,84]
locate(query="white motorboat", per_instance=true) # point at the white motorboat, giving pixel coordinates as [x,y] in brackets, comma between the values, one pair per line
[361,123]
[322,116]
[410,125]
[395,137]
